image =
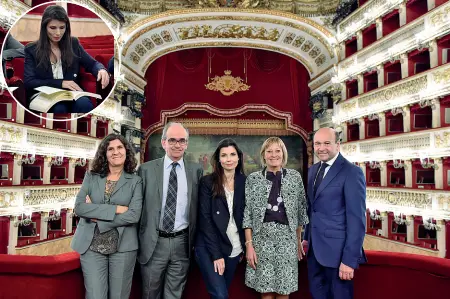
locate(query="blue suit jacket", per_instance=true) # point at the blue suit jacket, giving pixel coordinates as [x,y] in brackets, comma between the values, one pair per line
[43,76]
[213,217]
[337,215]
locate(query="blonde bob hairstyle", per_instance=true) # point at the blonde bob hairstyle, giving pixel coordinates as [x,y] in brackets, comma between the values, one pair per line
[270,141]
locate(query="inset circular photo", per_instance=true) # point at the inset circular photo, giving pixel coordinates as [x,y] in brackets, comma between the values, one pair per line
[58,58]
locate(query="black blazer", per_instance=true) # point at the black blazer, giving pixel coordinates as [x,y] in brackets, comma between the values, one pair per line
[43,76]
[213,217]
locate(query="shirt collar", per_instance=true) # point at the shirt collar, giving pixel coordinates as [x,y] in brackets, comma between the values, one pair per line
[332,160]
[168,162]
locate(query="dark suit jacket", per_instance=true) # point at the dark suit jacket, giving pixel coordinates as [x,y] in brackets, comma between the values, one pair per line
[128,192]
[337,215]
[214,215]
[43,76]
[152,174]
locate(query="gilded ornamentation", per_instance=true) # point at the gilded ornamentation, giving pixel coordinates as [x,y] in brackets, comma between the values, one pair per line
[148,43]
[229,3]
[320,60]
[307,46]
[10,134]
[440,18]
[228,31]
[442,76]
[50,195]
[314,52]
[387,93]
[443,140]
[134,57]
[412,199]
[157,39]
[289,38]
[347,107]
[140,50]
[166,36]
[227,84]
[295,22]
[298,41]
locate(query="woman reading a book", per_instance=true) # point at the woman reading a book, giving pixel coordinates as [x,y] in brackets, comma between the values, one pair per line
[54,60]
[109,205]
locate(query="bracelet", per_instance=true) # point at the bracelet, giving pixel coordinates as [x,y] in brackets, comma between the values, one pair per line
[248,242]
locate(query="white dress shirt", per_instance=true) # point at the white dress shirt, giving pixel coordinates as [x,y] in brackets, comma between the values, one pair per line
[329,164]
[232,230]
[182,213]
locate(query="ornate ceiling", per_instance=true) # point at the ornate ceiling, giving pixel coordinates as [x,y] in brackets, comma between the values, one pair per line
[307,8]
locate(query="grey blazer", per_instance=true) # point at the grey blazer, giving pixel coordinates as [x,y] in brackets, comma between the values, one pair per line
[152,174]
[128,192]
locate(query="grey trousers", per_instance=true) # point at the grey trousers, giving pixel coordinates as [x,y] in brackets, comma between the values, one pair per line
[165,274]
[108,276]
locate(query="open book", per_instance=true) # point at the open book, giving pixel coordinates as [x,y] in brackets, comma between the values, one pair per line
[49,96]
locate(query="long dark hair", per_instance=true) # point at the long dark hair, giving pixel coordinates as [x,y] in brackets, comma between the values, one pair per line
[218,173]
[100,162]
[43,50]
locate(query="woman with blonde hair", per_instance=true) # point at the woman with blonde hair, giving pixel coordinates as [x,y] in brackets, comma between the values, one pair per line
[275,211]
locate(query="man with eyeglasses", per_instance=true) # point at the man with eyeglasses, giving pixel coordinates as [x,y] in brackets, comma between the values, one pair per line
[168,218]
[337,219]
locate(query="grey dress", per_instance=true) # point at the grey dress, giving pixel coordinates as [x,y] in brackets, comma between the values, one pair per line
[275,244]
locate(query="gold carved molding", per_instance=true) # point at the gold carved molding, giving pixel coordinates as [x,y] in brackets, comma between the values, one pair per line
[227,84]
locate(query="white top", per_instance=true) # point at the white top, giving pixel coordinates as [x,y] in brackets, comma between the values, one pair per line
[57,70]
[232,230]
[329,164]
[182,212]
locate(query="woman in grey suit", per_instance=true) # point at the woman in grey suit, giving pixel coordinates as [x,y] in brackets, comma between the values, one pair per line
[109,205]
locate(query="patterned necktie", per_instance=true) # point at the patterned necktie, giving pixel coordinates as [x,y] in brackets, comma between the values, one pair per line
[319,176]
[171,201]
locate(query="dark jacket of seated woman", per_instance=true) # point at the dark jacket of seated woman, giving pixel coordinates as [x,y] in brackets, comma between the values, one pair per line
[213,217]
[43,76]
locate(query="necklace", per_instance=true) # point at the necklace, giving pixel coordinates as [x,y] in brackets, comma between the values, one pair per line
[275,208]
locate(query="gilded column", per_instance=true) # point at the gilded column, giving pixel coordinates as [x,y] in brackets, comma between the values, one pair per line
[343,92]
[342,47]
[73,123]
[408,173]
[436,113]
[402,13]
[69,216]
[94,120]
[379,24]
[384,224]
[44,226]
[362,165]
[382,123]
[440,237]
[71,174]
[380,73]
[344,132]
[49,121]
[431,4]
[404,65]
[406,119]
[362,128]
[360,84]
[433,49]
[438,174]
[47,169]
[383,174]
[410,228]
[13,234]
[359,40]
[20,114]
[17,169]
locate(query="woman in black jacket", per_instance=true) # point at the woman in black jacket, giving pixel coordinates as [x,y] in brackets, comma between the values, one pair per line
[55,59]
[220,238]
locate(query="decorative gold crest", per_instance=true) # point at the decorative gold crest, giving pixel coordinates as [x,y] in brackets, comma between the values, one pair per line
[227,84]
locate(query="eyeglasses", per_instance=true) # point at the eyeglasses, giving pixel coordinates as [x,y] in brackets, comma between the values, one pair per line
[173,141]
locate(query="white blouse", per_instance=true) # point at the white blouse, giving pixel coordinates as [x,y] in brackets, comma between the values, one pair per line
[232,230]
[57,70]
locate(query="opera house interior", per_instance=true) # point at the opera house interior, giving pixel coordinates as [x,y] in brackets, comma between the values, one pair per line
[377,71]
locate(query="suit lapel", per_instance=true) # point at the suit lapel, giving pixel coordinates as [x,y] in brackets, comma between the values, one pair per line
[188,170]
[159,178]
[312,173]
[101,184]
[331,174]
[122,181]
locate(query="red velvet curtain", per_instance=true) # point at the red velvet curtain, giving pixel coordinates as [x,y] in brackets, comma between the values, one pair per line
[180,77]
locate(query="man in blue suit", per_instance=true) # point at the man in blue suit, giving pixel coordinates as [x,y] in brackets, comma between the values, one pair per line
[337,220]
